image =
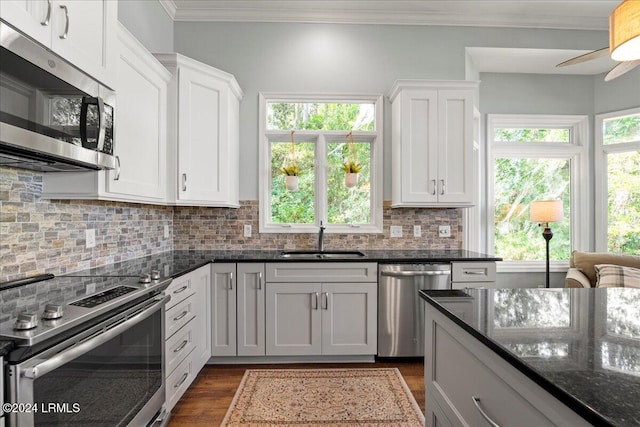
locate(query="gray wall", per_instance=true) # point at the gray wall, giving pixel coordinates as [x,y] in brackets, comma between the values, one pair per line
[348,58]
[148,22]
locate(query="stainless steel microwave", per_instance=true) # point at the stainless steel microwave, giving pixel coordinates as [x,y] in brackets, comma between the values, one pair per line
[53,116]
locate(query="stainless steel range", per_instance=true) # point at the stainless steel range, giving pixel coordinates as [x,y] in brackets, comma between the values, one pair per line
[89,350]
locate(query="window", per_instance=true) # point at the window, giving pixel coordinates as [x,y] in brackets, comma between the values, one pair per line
[328,131]
[535,158]
[618,186]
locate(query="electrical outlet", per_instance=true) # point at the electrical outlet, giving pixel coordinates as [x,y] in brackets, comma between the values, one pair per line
[444,231]
[166,231]
[417,231]
[247,230]
[91,288]
[396,231]
[90,238]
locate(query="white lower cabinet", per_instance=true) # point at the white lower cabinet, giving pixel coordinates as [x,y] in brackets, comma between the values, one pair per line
[238,309]
[333,316]
[187,331]
[467,384]
[473,274]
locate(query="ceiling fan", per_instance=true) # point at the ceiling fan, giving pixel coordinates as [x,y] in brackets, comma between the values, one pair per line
[624,41]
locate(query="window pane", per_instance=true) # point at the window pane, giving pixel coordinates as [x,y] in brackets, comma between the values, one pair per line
[320,116]
[621,129]
[293,206]
[348,205]
[623,204]
[521,135]
[518,182]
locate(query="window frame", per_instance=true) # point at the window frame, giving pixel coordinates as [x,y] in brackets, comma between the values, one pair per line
[601,152]
[321,139]
[576,151]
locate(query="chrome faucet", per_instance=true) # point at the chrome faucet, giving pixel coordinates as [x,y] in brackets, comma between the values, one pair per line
[321,238]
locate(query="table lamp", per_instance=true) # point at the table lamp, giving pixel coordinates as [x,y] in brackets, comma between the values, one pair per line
[544,212]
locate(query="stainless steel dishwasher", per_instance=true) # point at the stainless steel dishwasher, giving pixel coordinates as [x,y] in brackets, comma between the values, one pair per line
[400,314]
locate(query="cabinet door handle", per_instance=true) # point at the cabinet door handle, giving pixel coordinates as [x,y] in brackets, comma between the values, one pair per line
[47,18]
[184,182]
[117,177]
[230,280]
[442,188]
[182,345]
[66,25]
[315,301]
[182,289]
[326,300]
[181,315]
[260,280]
[476,402]
[433,181]
[182,380]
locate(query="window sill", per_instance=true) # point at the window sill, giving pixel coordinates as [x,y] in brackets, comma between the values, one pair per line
[531,266]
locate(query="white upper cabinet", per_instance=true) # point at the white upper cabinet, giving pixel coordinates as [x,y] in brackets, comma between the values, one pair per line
[140,140]
[432,143]
[203,156]
[81,31]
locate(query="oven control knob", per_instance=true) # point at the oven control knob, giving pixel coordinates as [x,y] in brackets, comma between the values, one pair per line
[52,311]
[155,275]
[145,278]
[26,321]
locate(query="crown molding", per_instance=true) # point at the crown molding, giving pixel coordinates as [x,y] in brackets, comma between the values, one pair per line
[170,7]
[582,15]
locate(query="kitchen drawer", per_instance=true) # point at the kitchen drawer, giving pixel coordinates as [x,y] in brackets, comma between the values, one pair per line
[351,272]
[178,316]
[458,375]
[473,272]
[178,382]
[179,346]
[180,289]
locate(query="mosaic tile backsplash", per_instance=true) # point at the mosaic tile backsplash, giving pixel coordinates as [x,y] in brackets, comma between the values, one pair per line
[48,236]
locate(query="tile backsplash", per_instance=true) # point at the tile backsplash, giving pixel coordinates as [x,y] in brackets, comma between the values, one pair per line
[48,236]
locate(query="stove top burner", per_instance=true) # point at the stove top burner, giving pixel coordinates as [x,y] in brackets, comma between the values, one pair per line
[102,297]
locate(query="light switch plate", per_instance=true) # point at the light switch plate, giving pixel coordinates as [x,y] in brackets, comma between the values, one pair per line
[417,231]
[396,231]
[90,238]
[444,231]
[247,230]
[166,231]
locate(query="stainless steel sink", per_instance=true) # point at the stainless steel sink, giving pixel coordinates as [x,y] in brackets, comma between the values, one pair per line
[321,254]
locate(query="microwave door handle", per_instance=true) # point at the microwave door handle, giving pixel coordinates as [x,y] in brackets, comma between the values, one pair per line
[84,111]
[77,350]
[101,123]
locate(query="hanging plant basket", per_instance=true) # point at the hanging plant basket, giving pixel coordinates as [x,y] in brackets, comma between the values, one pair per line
[292,171]
[351,167]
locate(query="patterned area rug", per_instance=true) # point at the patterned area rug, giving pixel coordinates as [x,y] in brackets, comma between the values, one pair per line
[323,397]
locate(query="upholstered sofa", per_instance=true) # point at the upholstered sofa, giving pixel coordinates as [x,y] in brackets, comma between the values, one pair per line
[583,271]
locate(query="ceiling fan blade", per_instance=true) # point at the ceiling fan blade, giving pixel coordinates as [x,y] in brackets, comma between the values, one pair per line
[586,57]
[620,69]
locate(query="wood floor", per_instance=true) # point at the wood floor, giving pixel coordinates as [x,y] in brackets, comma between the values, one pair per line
[206,402]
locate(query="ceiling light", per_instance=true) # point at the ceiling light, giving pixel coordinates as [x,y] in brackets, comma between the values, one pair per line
[624,31]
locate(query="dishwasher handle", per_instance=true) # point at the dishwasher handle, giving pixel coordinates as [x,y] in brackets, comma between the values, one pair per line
[415,273]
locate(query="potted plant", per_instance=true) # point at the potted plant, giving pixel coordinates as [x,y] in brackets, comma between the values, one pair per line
[291,176]
[351,176]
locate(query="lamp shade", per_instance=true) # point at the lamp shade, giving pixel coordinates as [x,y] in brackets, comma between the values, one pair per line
[624,31]
[546,211]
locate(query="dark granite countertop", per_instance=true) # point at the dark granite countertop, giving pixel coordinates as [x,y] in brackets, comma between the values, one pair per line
[5,347]
[581,345]
[176,263]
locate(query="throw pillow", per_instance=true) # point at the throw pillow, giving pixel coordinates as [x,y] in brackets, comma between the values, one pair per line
[610,276]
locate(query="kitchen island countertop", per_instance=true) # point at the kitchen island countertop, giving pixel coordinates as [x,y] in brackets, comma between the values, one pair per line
[580,345]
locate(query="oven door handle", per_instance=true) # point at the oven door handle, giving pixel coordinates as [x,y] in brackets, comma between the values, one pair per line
[83,347]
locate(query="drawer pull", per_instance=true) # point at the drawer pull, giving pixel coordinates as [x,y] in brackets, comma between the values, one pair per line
[475,273]
[181,315]
[476,402]
[182,380]
[184,343]
[182,289]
